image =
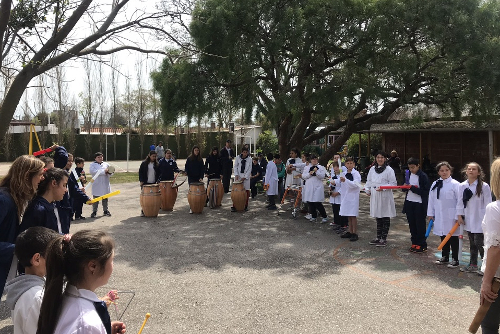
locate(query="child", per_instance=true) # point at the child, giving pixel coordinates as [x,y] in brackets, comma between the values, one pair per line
[242,172]
[42,210]
[280,167]
[78,204]
[167,167]
[491,261]
[443,198]
[415,205]
[349,206]
[339,222]
[49,162]
[306,159]
[473,196]
[272,181]
[101,185]
[25,292]
[294,168]
[382,206]
[85,262]
[256,176]
[315,193]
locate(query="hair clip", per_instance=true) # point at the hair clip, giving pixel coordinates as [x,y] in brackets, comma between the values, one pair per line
[67,238]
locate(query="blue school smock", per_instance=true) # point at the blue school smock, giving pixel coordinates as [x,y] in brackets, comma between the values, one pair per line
[9,222]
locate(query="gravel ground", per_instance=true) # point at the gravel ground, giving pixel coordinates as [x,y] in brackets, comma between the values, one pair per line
[259,272]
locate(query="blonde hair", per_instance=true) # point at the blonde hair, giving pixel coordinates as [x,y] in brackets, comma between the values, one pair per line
[495,177]
[480,177]
[18,180]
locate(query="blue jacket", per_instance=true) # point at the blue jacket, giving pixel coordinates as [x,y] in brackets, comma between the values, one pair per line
[423,190]
[41,213]
[143,171]
[9,221]
[166,169]
[195,170]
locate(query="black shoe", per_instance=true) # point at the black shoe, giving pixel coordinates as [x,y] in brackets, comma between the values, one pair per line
[93,215]
[354,237]
[107,213]
[233,209]
[346,235]
[81,218]
[443,260]
[419,249]
[246,208]
[274,207]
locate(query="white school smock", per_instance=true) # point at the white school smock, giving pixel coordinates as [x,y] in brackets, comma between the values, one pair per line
[101,185]
[491,230]
[476,206]
[444,209]
[27,309]
[78,314]
[315,191]
[299,168]
[246,173]
[271,179]
[381,202]
[337,185]
[349,206]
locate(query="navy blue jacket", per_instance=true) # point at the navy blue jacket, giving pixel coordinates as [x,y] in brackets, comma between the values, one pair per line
[195,170]
[225,157]
[9,222]
[213,166]
[143,172]
[41,213]
[166,169]
[257,169]
[423,190]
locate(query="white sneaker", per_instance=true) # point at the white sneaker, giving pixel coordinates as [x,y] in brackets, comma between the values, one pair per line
[190,211]
[308,216]
[312,220]
[324,220]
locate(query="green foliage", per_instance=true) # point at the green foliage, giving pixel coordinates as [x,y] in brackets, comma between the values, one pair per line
[353,144]
[267,142]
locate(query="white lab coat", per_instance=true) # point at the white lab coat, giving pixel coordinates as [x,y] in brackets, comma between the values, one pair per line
[381,202]
[101,185]
[271,179]
[491,230]
[315,191]
[247,172]
[476,206]
[299,168]
[337,187]
[25,314]
[349,207]
[444,209]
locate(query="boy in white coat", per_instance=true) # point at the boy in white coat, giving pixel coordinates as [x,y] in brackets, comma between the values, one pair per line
[339,222]
[242,172]
[100,186]
[271,181]
[294,169]
[315,192]
[350,199]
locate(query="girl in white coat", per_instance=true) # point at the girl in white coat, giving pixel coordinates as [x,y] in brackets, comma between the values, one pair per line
[242,172]
[349,206]
[271,180]
[101,185]
[382,206]
[294,168]
[339,222]
[473,196]
[442,208]
[315,191]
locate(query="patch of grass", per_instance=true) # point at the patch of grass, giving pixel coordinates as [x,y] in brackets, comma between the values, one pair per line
[125,177]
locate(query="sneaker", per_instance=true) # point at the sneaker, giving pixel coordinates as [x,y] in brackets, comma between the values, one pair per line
[453,264]
[419,249]
[142,214]
[107,213]
[274,207]
[469,269]
[480,273]
[246,208]
[341,230]
[346,235]
[93,214]
[374,242]
[332,224]
[312,220]
[191,211]
[412,248]
[354,237]
[443,260]
[324,220]
[308,216]
[233,209]
[382,243]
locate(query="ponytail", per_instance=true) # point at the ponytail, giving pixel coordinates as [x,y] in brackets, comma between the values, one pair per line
[53,174]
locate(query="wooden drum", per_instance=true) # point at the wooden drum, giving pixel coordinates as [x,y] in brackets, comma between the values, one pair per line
[239,195]
[150,200]
[168,195]
[219,190]
[197,197]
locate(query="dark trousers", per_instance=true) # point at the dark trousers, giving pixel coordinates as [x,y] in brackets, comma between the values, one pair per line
[476,241]
[271,200]
[77,208]
[317,206]
[491,321]
[226,177]
[383,225]
[281,189]
[253,188]
[337,218]
[453,243]
[415,213]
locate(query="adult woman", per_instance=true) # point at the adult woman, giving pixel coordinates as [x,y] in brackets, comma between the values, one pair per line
[16,189]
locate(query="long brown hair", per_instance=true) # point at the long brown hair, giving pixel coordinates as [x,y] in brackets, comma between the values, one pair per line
[18,180]
[53,174]
[65,261]
[193,157]
[480,176]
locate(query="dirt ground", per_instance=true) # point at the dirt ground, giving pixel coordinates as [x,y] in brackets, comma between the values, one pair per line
[260,272]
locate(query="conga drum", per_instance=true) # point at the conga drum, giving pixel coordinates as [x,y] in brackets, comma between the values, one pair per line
[197,197]
[150,200]
[168,195]
[239,195]
[216,184]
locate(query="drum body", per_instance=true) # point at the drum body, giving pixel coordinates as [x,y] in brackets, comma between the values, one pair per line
[197,197]
[238,195]
[218,188]
[168,195]
[150,200]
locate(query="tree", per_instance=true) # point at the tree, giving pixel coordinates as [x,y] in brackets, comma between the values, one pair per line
[347,64]
[36,36]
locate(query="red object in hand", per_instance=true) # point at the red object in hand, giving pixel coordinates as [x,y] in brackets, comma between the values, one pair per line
[47,150]
[397,187]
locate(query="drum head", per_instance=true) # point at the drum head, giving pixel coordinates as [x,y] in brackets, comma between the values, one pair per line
[214,179]
[197,184]
[111,169]
[237,182]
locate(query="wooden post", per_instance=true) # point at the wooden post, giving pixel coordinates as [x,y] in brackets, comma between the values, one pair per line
[420,147]
[359,146]
[369,150]
[461,150]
